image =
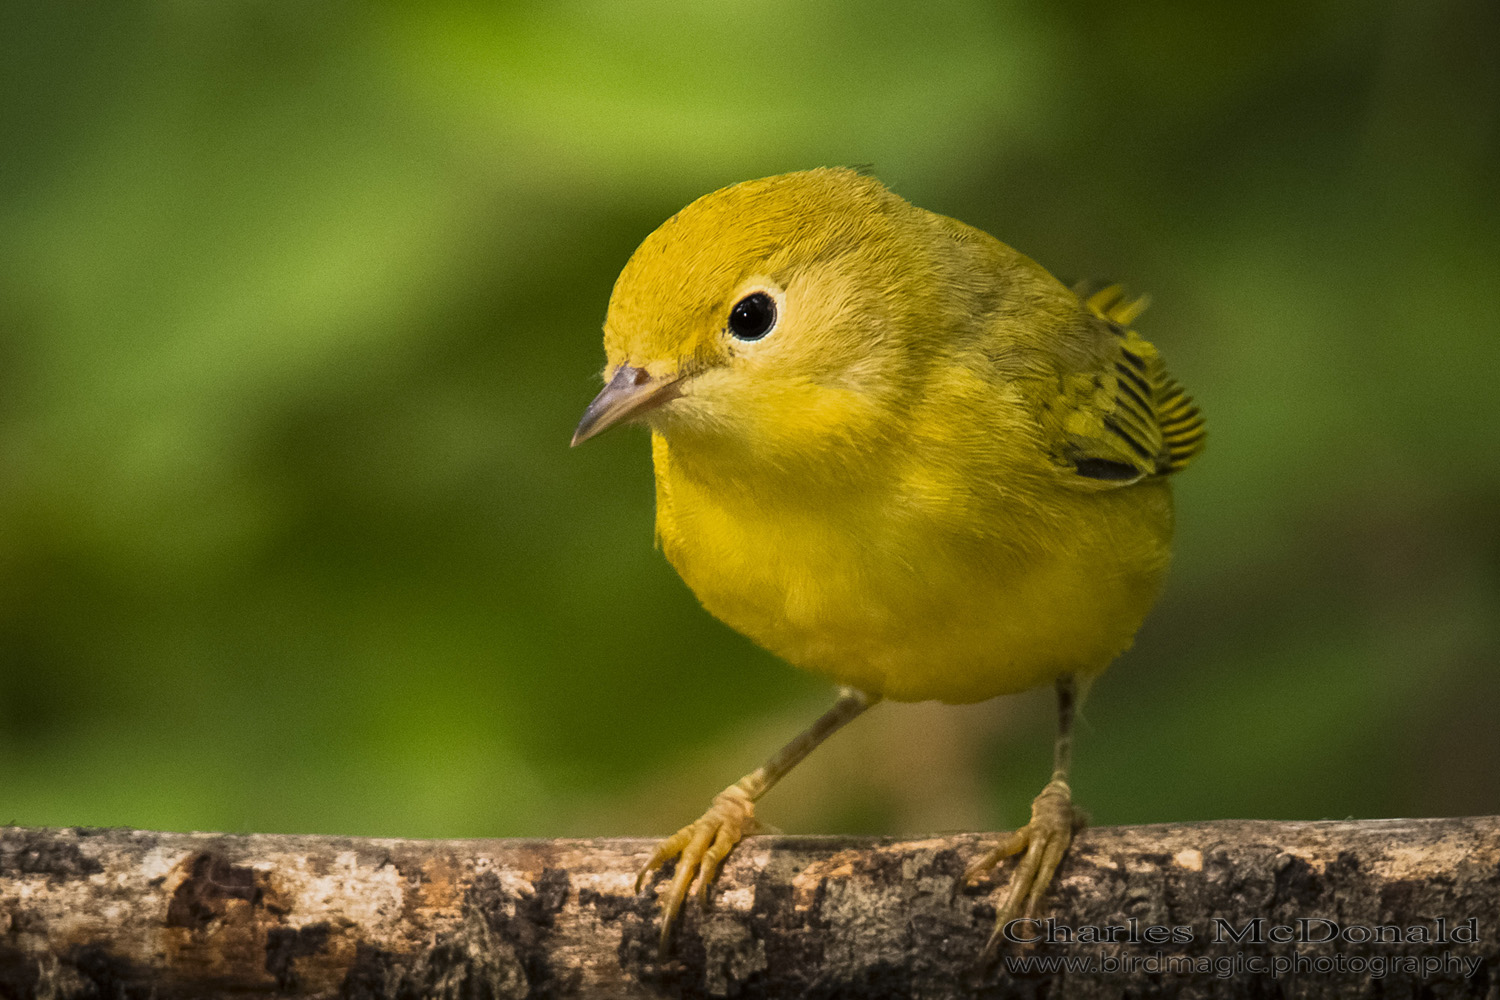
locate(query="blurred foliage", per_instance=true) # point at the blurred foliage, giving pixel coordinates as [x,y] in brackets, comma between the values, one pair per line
[300,301]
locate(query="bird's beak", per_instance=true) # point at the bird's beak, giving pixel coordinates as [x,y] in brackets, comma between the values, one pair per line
[631,392]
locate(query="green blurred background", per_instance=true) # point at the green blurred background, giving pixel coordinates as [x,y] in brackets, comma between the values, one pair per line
[299,303]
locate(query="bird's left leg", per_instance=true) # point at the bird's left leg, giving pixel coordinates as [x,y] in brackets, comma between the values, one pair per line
[1045,839]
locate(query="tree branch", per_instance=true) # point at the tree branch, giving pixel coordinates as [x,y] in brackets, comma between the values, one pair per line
[123,913]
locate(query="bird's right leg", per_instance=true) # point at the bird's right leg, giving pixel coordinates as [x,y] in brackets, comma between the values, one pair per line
[702,845]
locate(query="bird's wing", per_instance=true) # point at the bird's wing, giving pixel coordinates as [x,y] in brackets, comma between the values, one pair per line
[1126,419]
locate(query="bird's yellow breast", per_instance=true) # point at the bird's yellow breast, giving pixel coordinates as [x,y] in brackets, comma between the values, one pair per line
[910,583]
[928,469]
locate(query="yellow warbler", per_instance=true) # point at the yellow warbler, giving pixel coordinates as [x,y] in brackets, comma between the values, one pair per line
[894,451]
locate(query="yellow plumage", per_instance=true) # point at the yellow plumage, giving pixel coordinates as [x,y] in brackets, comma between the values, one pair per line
[939,474]
[886,490]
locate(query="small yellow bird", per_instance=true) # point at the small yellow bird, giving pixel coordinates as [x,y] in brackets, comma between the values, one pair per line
[894,451]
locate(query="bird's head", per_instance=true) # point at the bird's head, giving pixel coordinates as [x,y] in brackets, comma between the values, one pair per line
[774,316]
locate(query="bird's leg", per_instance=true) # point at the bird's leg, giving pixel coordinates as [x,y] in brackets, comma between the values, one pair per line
[1046,838]
[702,845]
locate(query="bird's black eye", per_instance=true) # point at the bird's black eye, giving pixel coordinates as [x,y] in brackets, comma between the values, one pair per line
[753,317]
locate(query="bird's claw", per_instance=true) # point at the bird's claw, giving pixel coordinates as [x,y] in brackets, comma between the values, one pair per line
[1044,840]
[700,848]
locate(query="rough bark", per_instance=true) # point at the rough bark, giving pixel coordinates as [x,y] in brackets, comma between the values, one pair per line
[125,913]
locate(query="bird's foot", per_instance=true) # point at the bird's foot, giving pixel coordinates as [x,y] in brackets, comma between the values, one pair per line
[700,847]
[1044,840]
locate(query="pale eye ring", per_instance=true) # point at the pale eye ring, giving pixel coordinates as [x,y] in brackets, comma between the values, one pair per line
[752,317]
